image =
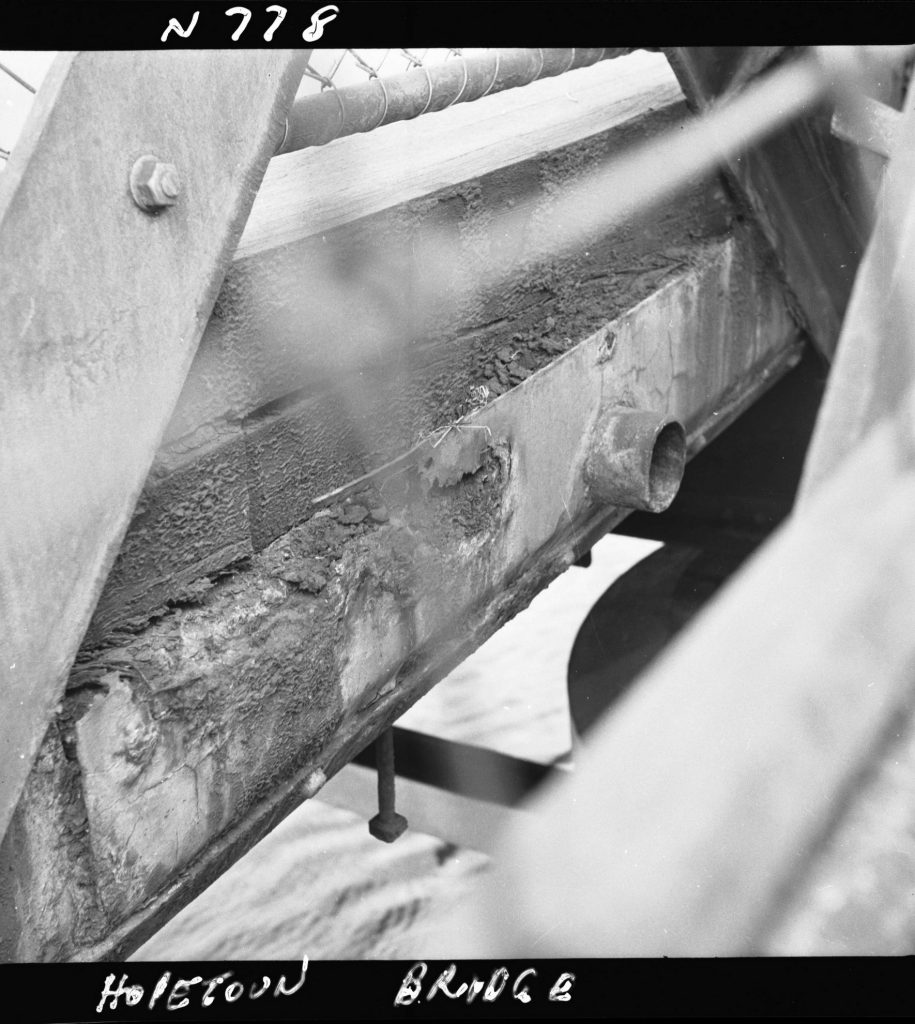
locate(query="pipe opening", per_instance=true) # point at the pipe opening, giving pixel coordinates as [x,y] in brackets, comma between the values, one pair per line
[668,459]
[636,459]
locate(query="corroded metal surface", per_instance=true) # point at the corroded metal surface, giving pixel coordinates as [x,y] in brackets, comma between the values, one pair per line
[637,459]
[321,362]
[343,622]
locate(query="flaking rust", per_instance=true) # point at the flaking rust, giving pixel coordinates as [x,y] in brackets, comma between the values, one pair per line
[306,638]
[457,453]
[189,739]
[288,401]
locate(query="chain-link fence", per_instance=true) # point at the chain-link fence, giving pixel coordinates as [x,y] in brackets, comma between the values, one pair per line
[334,69]
[350,91]
[25,91]
[21,75]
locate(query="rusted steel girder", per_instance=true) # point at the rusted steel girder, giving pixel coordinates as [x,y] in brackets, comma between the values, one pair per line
[103,304]
[341,624]
[249,484]
[260,430]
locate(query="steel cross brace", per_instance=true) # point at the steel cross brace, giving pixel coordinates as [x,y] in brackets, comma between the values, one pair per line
[103,304]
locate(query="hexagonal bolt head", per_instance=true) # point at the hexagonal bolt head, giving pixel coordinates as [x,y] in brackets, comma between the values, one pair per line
[388,827]
[154,184]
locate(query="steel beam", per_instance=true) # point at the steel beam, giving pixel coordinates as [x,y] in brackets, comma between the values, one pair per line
[874,366]
[800,184]
[339,626]
[103,303]
[318,118]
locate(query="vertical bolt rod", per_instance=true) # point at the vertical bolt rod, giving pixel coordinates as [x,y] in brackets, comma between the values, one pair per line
[384,760]
[387,825]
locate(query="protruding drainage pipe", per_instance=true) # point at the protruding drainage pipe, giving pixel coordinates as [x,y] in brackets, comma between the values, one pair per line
[636,459]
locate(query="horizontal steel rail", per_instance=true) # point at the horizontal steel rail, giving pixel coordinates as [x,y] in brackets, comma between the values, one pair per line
[336,112]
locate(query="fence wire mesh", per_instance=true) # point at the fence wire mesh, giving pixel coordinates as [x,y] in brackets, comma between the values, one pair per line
[21,73]
[345,91]
[333,69]
[349,91]
[12,76]
[20,81]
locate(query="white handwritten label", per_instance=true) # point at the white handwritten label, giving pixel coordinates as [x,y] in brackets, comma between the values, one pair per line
[175,26]
[208,997]
[318,20]
[181,995]
[245,18]
[561,991]
[178,997]
[523,994]
[411,987]
[280,14]
[315,30]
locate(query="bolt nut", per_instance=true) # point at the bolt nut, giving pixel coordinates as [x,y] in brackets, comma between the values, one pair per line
[154,184]
[388,826]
